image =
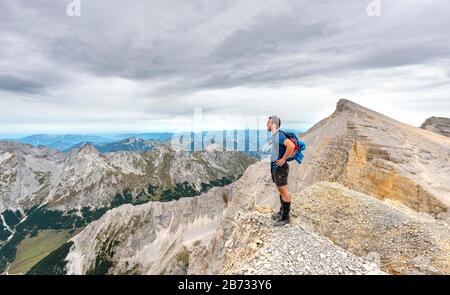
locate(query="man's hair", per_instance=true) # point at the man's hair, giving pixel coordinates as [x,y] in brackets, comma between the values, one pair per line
[276,120]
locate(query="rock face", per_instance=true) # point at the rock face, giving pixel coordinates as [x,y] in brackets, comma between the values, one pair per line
[149,239]
[363,225]
[437,125]
[372,153]
[84,177]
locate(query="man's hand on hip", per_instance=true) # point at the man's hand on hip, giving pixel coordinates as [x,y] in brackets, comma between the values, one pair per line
[280,162]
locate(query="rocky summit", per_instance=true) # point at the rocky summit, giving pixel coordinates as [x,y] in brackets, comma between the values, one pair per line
[438,125]
[377,155]
[371,197]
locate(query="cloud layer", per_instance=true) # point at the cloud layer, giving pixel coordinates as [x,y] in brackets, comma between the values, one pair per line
[141,65]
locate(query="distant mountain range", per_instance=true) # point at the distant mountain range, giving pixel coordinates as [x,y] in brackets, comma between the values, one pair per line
[161,136]
[60,142]
[132,144]
[65,142]
[250,141]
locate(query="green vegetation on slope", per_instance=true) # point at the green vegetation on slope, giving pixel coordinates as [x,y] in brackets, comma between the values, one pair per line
[12,218]
[181,190]
[4,232]
[183,257]
[218,183]
[40,219]
[104,260]
[32,249]
[54,263]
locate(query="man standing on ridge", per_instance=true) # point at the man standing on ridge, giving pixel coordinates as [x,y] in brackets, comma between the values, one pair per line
[282,149]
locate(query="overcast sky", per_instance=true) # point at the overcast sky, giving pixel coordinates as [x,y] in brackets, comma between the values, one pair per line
[143,65]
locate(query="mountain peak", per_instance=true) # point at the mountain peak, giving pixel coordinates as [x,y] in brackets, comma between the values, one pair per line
[132,139]
[87,147]
[438,125]
[348,105]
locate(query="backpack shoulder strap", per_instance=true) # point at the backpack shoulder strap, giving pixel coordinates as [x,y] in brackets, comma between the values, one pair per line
[286,134]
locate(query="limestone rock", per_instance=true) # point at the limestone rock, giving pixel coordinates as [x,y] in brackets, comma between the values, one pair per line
[372,153]
[438,125]
[394,237]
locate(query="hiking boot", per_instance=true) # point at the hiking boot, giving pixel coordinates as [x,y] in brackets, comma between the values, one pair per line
[277,216]
[282,222]
[285,219]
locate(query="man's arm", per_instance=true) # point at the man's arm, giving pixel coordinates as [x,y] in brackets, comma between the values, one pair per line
[290,147]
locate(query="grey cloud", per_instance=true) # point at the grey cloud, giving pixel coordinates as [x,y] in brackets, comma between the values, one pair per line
[180,48]
[153,40]
[16,84]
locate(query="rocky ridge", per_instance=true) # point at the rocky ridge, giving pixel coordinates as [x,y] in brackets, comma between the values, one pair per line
[372,153]
[290,250]
[438,125]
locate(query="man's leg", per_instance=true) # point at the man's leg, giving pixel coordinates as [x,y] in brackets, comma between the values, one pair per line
[286,203]
[278,215]
[284,193]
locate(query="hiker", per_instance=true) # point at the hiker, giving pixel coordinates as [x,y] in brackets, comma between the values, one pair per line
[282,149]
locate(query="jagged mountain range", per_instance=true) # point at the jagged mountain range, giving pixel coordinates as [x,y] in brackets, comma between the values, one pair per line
[132,144]
[45,189]
[87,178]
[371,196]
[250,141]
[65,142]
[59,142]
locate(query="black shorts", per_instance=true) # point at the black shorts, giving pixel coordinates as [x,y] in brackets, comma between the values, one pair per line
[280,174]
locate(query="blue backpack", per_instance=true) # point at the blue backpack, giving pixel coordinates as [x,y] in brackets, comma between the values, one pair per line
[300,146]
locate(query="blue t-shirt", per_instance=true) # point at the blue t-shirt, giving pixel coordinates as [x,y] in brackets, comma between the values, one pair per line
[278,147]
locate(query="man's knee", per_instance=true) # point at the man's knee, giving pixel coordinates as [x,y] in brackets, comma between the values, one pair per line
[283,189]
